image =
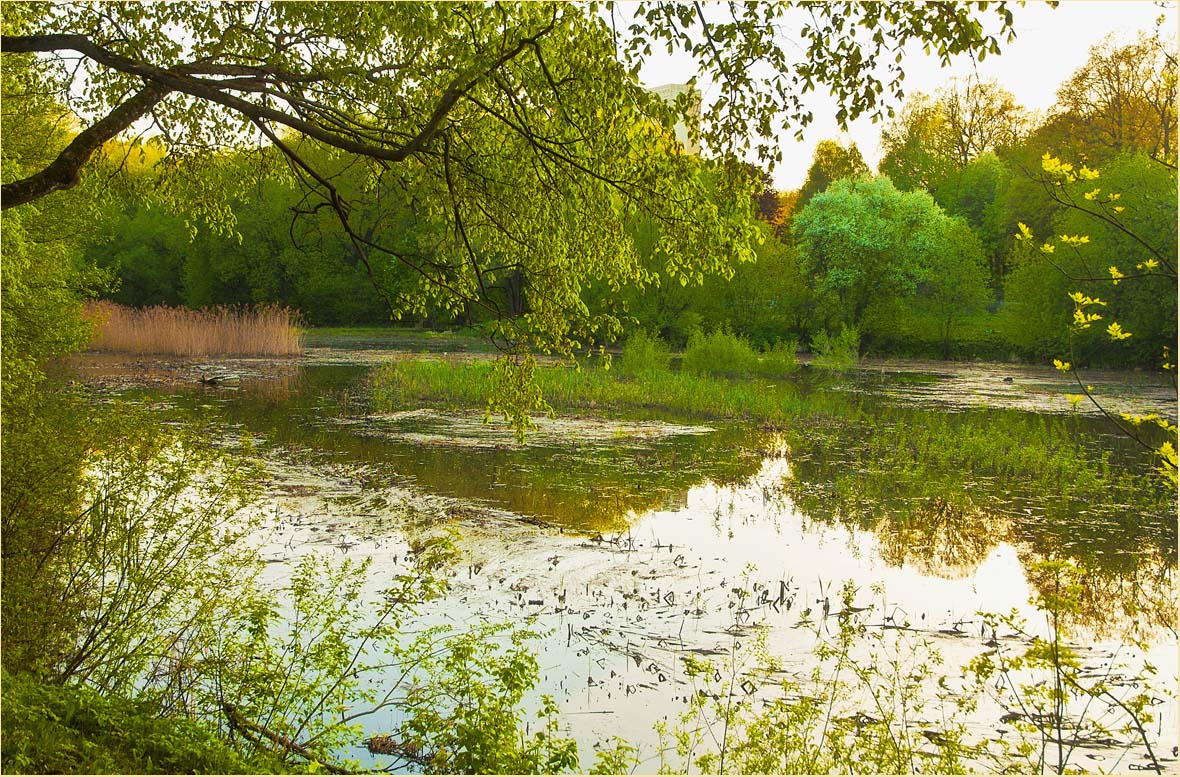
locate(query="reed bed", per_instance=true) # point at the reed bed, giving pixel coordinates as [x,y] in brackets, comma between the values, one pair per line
[262,331]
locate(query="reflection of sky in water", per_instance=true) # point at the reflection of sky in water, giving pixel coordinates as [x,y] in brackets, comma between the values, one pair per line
[623,609]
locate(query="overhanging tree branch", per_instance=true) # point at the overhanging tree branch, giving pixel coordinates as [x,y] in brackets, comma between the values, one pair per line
[63,172]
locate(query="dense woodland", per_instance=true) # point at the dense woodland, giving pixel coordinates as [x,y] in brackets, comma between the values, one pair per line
[921,257]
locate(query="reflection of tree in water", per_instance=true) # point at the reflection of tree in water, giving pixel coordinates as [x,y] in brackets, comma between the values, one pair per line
[1129,581]
[1129,600]
[934,527]
[940,498]
[945,536]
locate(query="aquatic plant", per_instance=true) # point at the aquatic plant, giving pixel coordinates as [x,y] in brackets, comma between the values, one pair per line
[1055,699]
[882,700]
[265,330]
[864,707]
[838,352]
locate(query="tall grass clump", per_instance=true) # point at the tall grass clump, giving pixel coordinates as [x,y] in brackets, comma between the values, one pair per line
[267,330]
[644,354]
[778,360]
[407,384]
[838,352]
[719,353]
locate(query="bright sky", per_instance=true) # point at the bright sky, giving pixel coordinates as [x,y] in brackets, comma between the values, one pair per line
[1050,45]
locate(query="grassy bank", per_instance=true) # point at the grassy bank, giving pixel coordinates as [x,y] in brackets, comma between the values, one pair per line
[398,338]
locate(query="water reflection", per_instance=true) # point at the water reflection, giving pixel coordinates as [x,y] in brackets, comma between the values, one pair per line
[844,480]
[943,536]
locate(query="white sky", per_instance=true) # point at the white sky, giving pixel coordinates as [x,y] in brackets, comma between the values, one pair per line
[1050,45]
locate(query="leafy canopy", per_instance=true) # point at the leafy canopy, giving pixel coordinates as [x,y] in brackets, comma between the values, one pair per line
[516,133]
[864,242]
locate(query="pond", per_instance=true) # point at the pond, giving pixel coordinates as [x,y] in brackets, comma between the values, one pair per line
[632,541]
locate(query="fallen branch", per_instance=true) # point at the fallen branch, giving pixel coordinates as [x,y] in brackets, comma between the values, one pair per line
[252,731]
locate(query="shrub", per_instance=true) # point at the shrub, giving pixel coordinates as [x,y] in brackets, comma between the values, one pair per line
[778,359]
[841,352]
[77,730]
[719,353]
[644,354]
[467,712]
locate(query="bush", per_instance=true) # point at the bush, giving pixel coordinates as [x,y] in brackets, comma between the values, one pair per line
[76,730]
[779,360]
[644,354]
[841,352]
[719,353]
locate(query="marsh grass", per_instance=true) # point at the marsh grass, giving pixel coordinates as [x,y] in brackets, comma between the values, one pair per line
[411,383]
[261,331]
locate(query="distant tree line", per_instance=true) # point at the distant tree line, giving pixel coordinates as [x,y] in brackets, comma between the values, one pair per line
[921,258]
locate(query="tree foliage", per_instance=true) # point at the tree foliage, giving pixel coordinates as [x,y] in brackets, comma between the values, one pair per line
[1122,99]
[914,145]
[831,162]
[864,242]
[934,137]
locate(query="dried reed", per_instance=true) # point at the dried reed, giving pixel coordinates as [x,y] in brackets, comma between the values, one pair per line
[262,331]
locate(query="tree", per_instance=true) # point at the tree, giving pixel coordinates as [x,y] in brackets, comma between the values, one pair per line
[518,129]
[499,121]
[956,285]
[934,137]
[1142,226]
[864,241]
[915,145]
[978,193]
[1123,99]
[981,116]
[830,163]
[766,199]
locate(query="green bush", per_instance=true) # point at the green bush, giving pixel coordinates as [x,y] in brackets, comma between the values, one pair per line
[467,713]
[841,352]
[778,360]
[76,730]
[719,353]
[644,354]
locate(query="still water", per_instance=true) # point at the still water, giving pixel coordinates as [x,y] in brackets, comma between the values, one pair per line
[634,542]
